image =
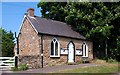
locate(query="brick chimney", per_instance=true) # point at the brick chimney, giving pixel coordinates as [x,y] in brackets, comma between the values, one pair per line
[30,12]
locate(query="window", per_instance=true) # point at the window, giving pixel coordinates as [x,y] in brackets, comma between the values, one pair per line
[55,48]
[85,50]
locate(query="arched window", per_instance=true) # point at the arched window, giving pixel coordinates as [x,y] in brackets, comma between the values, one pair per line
[85,50]
[55,48]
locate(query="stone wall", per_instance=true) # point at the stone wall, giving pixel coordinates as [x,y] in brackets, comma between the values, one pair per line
[49,61]
[28,40]
[31,61]
[30,48]
[29,45]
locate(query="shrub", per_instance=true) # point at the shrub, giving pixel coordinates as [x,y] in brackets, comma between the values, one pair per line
[69,63]
[110,60]
[50,65]
[21,67]
[80,62]
[14,69]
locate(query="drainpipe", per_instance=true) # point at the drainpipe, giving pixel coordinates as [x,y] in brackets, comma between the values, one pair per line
[42,50]
[17,42]
[17,45]
[16,57]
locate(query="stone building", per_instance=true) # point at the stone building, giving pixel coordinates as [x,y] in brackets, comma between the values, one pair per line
[44,42]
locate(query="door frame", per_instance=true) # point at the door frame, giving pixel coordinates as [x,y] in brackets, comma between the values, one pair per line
[68,50]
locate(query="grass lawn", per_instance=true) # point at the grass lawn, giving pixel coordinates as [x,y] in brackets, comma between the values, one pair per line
[104,68]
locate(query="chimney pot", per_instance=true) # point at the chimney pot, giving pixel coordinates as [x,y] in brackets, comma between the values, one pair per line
[30,12]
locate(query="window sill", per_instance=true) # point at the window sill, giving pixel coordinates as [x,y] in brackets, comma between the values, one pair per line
[78,54]
[85,56]
[54,56]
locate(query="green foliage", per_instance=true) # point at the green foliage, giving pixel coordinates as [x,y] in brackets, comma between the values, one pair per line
[52,10]
[110,60]
[6,43]
[80,62]
[97,21]
[14,69]
[21,67]
[115,53]
[50,64]
[70,63]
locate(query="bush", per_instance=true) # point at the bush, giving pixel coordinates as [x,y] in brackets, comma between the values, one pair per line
[50,65]
[69,63]
[110,60]
[14,69]
[21,67]
[80,62]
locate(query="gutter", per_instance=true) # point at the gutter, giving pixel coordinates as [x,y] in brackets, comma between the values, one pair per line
[61,36]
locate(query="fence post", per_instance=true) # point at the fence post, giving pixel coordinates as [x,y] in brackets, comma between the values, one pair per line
[16,61]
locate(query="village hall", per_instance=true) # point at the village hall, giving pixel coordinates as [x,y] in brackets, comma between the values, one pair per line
[44,42]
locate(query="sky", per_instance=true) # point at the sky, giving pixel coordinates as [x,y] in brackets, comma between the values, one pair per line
[13,12]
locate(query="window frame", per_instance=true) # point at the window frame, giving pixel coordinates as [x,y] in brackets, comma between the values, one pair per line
[54,42]
[85,52]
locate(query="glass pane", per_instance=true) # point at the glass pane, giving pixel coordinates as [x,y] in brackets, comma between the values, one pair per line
[56,48]
[85,50]
[52,48]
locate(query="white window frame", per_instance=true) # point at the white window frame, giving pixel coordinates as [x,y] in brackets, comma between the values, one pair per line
[54,48]
[85,51]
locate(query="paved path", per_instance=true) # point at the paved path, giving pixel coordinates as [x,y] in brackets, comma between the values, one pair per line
[56,68]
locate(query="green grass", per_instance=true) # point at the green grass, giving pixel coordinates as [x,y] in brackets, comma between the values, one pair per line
[106,68]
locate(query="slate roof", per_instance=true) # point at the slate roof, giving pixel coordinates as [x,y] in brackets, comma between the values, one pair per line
[52,27]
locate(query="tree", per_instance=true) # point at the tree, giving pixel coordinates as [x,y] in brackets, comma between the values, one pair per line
[53,10]
[98,22]
[7,43]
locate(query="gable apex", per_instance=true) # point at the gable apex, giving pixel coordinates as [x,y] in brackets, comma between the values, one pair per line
[25,17]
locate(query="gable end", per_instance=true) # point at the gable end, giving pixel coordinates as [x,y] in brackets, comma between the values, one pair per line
[24,18]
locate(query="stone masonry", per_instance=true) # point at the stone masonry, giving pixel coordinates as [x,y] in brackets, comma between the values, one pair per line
[48,61]
[30,47]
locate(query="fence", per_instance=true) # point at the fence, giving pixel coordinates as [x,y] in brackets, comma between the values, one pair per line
[7,62]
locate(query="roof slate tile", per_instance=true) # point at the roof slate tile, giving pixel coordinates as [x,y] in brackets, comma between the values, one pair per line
[52,27]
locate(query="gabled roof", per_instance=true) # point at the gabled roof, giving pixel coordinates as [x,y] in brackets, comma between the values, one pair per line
[52,27]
